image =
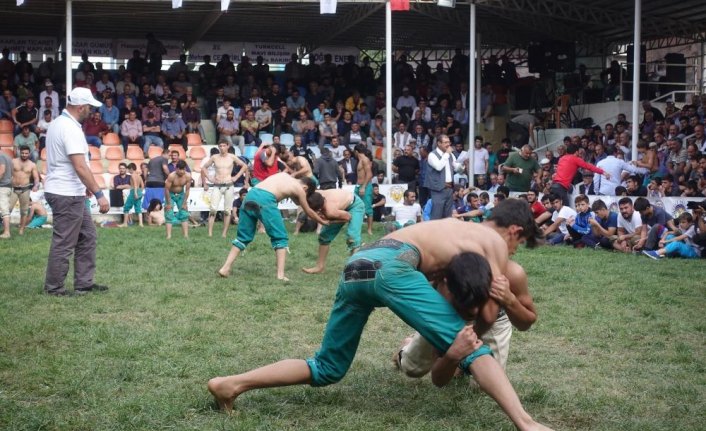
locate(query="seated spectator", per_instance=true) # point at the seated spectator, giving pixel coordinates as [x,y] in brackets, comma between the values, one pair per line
[28,139]
[131,131]
[631,234]
[110,114]
[472,211]
[174,131]
[655,221]
[26,114]
[295,102]
[263,116]
[192,118]
[94,128]
[8,103]
[634,186]
[362,117]
[349,166]
[42,127]
[539,212]
[354,136]
[155,213]
[580,226]
[327,131]
[337,149]
[407,213]
[151,133]
[174,160]
[678,243]
[229,130]
[223,110]
[587,186]
[306,128]
[249,127]
[379,201]
[603,227]
[49,105]
[37,211]
[557,232]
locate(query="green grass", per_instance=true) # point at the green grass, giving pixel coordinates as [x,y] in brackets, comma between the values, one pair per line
[619,344]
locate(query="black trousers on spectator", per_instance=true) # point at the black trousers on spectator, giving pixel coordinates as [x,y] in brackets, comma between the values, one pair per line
[423,196]
[327,186]
[441,203]
[562,192]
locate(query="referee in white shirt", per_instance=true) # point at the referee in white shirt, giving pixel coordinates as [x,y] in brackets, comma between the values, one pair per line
[68,178]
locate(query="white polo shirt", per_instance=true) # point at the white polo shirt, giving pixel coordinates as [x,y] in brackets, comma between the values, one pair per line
[631,225]
[64,138]
[404,213]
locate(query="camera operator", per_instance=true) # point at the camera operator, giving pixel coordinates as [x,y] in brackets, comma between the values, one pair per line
[699,210]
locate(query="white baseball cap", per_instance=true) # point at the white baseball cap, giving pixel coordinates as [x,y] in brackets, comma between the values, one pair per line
[82,96]
[544,161]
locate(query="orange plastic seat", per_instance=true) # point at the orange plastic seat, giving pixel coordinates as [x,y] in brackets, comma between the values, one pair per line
[193,139]
[6,140]
[6,126]
[180,149]
[114,166]
[379,151]
[154,151]
[134,152]
[96,166]
[197,153]
[111,139]
[195,166]
[100,180]
[95,152]
[114,153]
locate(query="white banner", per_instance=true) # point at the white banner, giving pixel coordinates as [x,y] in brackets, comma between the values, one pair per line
[93,47]
[272,53]
[125,47]
[339,54]
[35,46]
[215,50]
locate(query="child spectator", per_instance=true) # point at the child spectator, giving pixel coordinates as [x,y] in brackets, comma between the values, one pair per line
[134,197]
[237,203]
[37,212]
[155,213]
[681,245]
[580,226]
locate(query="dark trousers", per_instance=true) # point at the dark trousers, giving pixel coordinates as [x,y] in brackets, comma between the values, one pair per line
[441,203]
[560,191]
[74,233]
[327,185]
[424,194]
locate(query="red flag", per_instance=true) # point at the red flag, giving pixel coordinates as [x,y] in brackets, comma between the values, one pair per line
[399,4]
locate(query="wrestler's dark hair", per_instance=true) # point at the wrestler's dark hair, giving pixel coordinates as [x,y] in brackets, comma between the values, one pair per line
[517,212]
[310,185]
[315,201]
[181,164]
[468,278]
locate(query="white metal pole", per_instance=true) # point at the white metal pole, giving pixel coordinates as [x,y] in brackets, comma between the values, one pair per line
[68,49]
[637,42]
[472,95]
[388,88]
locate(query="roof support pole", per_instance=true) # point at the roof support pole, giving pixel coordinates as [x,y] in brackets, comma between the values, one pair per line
[636,77]
[68,49]
[388,89]
[472,96]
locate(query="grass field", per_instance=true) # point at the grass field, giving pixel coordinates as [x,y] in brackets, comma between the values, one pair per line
[619,344]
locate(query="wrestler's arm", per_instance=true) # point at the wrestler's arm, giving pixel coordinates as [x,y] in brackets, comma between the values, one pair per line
[444,368]
[515,297]
[496,253]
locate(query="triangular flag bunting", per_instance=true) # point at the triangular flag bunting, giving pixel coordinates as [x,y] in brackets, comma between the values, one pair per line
[328,6]
[399,5]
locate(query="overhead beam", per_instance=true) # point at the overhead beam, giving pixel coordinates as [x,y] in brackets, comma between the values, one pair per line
[203,28]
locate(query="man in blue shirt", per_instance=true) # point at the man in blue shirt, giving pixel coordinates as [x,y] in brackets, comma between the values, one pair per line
[603,227]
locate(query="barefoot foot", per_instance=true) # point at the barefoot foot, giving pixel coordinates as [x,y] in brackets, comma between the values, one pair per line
[5,235]
[283,278]
[223,273]
[314,270]
[224,397]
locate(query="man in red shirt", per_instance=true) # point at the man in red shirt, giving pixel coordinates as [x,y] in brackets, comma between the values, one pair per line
[264,162]
[566,170]
[539,212]
[94,128]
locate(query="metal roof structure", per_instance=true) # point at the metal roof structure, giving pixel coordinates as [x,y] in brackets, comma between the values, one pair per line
[597,26]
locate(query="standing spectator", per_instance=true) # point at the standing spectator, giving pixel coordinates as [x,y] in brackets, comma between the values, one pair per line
[67,179]
[613,166]
[327,170]
[480,158]
[566,171]
[439,178]
[407,168]
[519,168]
[157,171]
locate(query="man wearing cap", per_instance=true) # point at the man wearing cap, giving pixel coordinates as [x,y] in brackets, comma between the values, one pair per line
[49,92]
[519,169]
[68,180]
[406,103]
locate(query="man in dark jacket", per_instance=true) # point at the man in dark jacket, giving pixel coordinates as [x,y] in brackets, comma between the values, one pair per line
[327,171]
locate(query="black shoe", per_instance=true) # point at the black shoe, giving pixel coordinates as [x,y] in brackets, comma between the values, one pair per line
[92,288]
[57,292]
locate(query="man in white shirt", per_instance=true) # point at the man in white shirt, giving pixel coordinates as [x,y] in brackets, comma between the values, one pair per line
[406,103]
[439,178]
[480,157]
[557,232]
[408,212]
[632,235]
[614,166]
[402,137]
[49,92]
[337,149]
[68,177]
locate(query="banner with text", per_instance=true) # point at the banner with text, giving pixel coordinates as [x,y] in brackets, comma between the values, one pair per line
[216,51]
[339,54]
[125,47]
[272,53]
[35,46]
[93,47]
